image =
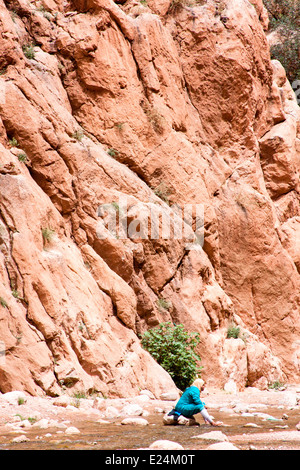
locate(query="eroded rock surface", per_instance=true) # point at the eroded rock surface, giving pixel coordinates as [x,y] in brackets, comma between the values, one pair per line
[144,108]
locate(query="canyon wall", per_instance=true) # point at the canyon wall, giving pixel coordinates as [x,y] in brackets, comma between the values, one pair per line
[109,112]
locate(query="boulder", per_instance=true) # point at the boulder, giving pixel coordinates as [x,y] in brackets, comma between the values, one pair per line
[165,445]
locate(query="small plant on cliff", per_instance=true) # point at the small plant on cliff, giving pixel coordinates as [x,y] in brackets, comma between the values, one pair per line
[112,152]
[78,135]
[22,157]
[163,192]
[29,51]
[174,349]
[277,385]
[3,302]
[233,332]
[16,294]
[163,304]
[177,4]
[13,142]
[47,234]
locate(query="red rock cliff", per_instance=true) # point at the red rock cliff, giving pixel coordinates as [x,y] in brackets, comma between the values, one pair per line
[144,106]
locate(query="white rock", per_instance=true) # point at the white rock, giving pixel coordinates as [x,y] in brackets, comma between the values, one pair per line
[148,393]
[266,417]
[16,419]
[99,403]
[22,438]
[166,445]
[63,401]
[112,412]
[72,430]
[241,408]
[222,446]
[135,421]
[132,410]
[72,408]
[159,410]
[14,398]
[25,424]
[142,398]
[212,436]
[170,396]
[41,424]
[230,387]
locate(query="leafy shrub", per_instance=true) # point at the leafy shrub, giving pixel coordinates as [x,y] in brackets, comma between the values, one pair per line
[174,349]
[287,53]
[283,11]
[285,17]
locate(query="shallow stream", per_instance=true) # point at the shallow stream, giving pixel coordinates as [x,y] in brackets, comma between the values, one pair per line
[273,434]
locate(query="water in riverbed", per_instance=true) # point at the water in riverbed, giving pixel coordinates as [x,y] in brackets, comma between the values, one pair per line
[114,436]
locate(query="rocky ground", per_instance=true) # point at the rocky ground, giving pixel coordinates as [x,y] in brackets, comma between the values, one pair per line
[252,419]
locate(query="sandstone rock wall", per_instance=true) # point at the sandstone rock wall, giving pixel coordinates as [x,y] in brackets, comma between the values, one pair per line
[144,107]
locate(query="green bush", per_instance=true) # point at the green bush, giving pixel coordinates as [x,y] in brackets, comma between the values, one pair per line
[285,17]
[174,349]
[287,53]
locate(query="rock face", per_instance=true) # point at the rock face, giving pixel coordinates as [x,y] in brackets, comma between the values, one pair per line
[109,112]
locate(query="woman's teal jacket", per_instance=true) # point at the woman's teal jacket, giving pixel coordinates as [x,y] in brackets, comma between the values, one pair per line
[190,402]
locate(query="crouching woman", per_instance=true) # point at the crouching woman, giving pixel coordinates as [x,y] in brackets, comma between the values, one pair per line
[190,404]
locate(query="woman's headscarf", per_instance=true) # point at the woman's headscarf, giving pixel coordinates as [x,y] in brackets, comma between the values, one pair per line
[198,383]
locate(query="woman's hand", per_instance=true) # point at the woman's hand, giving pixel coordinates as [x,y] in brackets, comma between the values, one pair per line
[216,423]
